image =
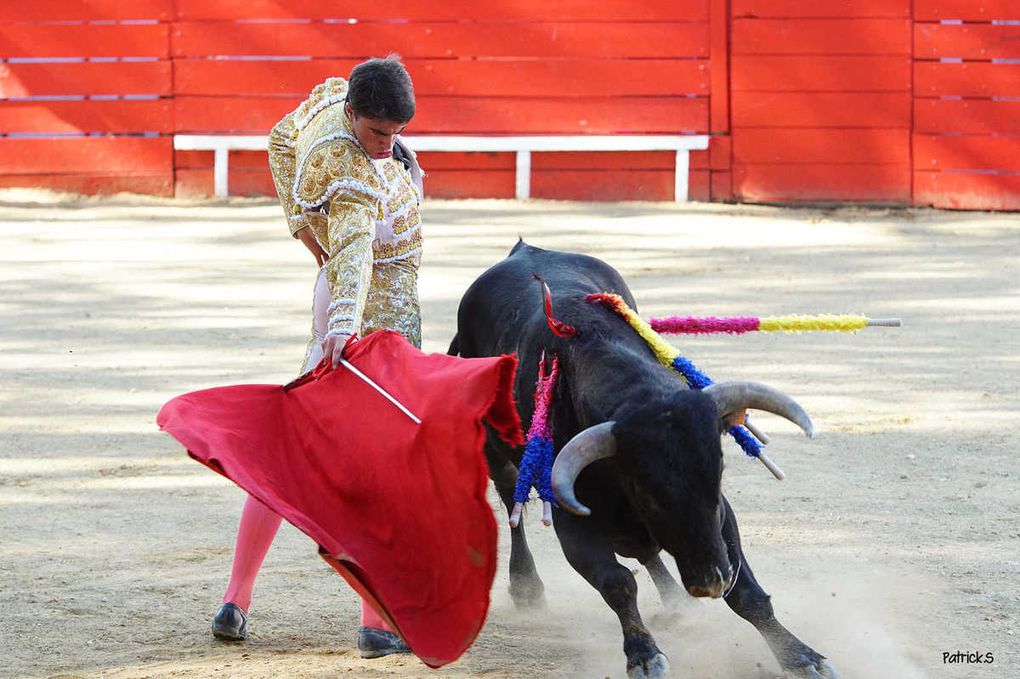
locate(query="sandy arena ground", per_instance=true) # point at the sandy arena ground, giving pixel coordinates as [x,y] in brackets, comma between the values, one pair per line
[895,538]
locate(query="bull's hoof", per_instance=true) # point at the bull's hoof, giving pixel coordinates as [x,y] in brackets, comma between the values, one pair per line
[529,602]
[655,667]
[528,596]
[820,669]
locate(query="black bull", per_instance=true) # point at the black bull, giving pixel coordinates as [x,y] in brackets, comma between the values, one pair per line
[661,488]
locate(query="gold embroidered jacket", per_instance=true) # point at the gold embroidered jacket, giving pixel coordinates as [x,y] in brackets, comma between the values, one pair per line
[363,213]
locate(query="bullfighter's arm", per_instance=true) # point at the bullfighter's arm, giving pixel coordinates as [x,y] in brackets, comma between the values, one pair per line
[283,166]
[349,269]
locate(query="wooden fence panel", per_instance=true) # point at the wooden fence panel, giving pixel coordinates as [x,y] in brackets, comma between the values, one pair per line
[821,109]
[22,40]
[966,41]
[793,73]
[42,117]
[967,191]
[848,100]
[966,10]
[82,154]
[442,40]
[493,115]
[786,146]
[967,116]
[821,36]
[449,10]
[821,99]
[980,153]
[825,9]
[454,78]
[966,108]
[86,10]
[599,68]
[975,79]
[85,88]
[823,183]
[89,164]
[86,77]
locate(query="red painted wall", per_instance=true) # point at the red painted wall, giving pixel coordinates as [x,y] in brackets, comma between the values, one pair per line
[878,101]
[966,126]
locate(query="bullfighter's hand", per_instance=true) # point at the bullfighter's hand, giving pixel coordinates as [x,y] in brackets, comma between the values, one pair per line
[306,236]
[333,346]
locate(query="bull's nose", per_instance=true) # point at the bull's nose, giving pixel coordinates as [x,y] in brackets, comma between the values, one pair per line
[714,589]
[710,592]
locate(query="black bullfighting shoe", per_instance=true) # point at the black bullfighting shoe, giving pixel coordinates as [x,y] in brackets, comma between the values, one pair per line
[375,643]
[230,623]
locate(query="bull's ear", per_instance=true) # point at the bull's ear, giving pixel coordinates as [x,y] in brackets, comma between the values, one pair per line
[737,417]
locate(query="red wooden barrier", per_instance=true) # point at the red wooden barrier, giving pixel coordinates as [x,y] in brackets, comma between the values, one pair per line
[86,10]
[603,68]
[967,41]
[967,10]
[823,183]
[794,73]
[975,79]
[449,10]
[966,116]
[813,37]
[85,116]
[821,99]
[823,9]
[454,78]
[820,146]
[91,78]
[806,110]
[89,164]
[442,40]
[97,70]
[19,40]
[808,101]
[967,190]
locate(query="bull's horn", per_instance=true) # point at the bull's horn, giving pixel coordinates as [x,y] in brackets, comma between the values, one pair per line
[731,397]
[594,443]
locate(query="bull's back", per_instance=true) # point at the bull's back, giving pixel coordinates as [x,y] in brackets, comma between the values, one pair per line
[504,305]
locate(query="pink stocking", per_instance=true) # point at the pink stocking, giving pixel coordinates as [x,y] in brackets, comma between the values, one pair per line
[369,618]
[255,534]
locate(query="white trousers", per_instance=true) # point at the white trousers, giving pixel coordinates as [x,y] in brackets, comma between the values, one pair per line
[321,299]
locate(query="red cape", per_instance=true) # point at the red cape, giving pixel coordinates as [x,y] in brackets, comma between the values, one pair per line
[399,509]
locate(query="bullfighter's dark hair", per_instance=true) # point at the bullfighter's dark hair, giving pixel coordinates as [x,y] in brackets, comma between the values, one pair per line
[381,88]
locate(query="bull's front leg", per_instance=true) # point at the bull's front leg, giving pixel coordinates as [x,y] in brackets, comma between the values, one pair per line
[748,600]
[526,588]
[669,589]
[592,557]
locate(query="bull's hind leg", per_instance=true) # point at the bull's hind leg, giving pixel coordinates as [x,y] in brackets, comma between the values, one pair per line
[592,557]
[526,588]
[748,600]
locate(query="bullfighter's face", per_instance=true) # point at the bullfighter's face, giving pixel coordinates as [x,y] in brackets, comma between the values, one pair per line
[376,135]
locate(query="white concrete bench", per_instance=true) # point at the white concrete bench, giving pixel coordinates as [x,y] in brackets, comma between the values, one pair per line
[682,145]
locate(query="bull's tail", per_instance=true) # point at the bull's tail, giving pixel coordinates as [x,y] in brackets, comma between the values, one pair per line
[454,349]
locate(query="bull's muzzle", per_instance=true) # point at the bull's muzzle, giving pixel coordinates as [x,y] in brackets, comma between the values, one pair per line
[716,587]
